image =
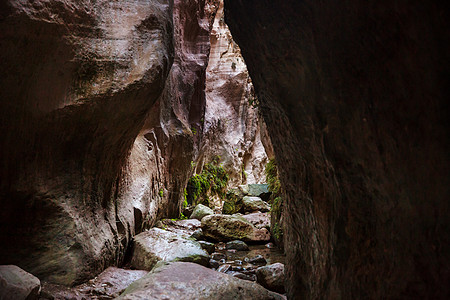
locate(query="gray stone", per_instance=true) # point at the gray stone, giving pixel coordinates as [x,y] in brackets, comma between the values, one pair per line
[224,268]
[272,277]
[218,256]
[259,190]
[198,234]
[243,276]
[251,204]
[258,260]
[16,284]
[237,245]
[200,211]
[207,246]
[228,228]
[181,280]
[157,245]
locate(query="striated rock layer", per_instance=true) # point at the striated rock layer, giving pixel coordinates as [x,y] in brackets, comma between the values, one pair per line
[354,97]
[232,128]
[95,126]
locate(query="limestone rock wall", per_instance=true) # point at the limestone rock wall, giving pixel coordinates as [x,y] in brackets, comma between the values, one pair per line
[354,96]
[95,126]
[231,124]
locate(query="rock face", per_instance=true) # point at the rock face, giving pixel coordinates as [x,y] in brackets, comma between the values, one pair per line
[16,284]
[227,228]
[96,141]
[157,245]
[355,99]
[232,126]
[191,281]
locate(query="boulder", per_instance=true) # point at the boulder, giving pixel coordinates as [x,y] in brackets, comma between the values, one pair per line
[237,245]
[259,190]
[185,228]
[251,204]
[258,260]
[233,201]
[157,245]
[200,211]
[108,285]
[207,246]
[182,280]
[272,277]
[258,219]
[228,228]
[16,284]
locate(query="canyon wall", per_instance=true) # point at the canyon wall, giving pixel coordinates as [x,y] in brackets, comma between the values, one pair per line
[232,128]
[96,126]
[354,95]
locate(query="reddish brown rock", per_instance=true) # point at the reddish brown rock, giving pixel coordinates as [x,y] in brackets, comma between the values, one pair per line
[355,98]
[96,141]
[232,124]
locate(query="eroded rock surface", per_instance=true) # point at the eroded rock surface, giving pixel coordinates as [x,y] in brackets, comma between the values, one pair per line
[183,280]
[355,99]
[232,125]
[98,102]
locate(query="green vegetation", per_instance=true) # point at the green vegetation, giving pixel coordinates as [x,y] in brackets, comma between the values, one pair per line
[161,192]
[212,181]
[232,203]
[276,201]
[253,102]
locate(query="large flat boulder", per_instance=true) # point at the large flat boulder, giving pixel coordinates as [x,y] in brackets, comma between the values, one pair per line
[228,228]
[182,280]
[156,245]
[16,284]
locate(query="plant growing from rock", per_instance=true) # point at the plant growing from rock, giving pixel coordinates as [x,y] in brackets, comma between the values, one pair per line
[213,180]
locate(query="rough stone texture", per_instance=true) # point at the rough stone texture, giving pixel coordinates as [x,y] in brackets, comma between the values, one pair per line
[80,81]
[355,98]
[200,211]
[108,285]
[272,277]
[251,204]
[16,284]
[228,228]
[157,245]
[259,220]
[231,125]
[237,245]
[191,281]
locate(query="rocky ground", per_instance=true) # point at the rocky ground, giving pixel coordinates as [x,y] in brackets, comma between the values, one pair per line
[209,255]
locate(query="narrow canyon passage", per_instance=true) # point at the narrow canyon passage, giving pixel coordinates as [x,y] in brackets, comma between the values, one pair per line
[145,155]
